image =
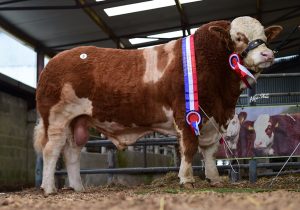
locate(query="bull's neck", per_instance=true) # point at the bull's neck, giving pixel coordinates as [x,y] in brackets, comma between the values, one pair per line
[219,86]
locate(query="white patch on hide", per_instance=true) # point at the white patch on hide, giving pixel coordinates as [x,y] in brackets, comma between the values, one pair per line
[61,114]
[211,171]
[185,172]
[69,107]
[123,136]
[152,73]
[209,134]
[110,127]
[169,48]
[72,161]
[120,135]
[166,127]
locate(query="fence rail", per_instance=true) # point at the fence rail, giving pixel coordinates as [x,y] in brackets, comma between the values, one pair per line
[141,142]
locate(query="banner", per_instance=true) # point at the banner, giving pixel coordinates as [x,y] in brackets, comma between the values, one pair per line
[262,132]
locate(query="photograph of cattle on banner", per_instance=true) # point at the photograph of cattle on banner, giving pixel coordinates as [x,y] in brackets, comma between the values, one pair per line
[262,131]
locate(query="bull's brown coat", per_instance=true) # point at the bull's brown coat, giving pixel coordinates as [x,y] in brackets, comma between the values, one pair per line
[112,80]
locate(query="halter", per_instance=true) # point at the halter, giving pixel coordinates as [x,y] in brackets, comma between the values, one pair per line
[236,63]
[252,45]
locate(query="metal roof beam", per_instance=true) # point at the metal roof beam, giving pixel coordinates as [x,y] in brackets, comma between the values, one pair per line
[11,2]
[134,35]
[25,37]
[63,7]
[258,10]
[98,20]
[183,18]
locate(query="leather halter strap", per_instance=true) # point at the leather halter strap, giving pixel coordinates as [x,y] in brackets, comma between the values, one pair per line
[252,45]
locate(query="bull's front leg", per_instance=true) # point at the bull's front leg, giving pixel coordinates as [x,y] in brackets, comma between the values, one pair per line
[211,171]
[188,147]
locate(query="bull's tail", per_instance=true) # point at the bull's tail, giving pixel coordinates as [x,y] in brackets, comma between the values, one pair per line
[40,137]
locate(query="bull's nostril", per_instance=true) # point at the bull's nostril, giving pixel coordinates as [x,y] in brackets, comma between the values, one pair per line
[268,55]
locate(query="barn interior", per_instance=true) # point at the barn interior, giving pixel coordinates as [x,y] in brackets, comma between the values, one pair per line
[48,27]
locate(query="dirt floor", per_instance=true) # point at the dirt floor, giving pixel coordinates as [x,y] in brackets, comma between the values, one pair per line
[164,194]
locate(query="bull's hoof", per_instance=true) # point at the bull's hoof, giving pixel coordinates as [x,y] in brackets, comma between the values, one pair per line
[46,194]
[188,185]
[52,191]
[79,188]
[214,183]
[67,189]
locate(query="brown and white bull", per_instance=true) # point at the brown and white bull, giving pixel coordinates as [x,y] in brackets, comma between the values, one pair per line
[277,134]
[126,94]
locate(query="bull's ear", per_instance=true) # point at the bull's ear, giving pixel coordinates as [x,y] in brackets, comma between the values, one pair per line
[220,32]
[272,31]
[242,116]
[277,124]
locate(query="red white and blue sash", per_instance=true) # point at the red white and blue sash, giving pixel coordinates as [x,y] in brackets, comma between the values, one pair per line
[193,117]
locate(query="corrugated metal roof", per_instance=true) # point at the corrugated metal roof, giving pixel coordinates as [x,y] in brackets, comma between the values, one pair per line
[55,25]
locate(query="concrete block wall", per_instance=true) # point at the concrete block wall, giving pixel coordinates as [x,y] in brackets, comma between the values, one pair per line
[17,157]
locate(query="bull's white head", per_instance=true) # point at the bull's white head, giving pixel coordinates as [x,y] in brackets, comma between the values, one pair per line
[246,33]
[264,132]
[248,38]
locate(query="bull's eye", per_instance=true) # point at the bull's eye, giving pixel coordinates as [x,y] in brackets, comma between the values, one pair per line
[239,39]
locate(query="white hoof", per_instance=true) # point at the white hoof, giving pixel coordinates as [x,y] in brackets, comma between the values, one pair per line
[78,188]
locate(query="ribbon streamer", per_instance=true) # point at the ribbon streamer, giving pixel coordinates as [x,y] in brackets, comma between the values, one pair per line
[242,71]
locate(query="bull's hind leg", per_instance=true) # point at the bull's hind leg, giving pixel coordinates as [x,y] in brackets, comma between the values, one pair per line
[61,115]
[211,171]
[51,152]
[77,137]
[72,162]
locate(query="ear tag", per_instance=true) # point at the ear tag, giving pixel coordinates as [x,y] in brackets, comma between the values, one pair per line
[83,56]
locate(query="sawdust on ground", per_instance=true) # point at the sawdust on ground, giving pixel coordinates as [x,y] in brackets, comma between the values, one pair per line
[164,194]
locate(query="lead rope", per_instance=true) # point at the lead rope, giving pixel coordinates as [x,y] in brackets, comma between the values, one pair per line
[225,143]
[272,181]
